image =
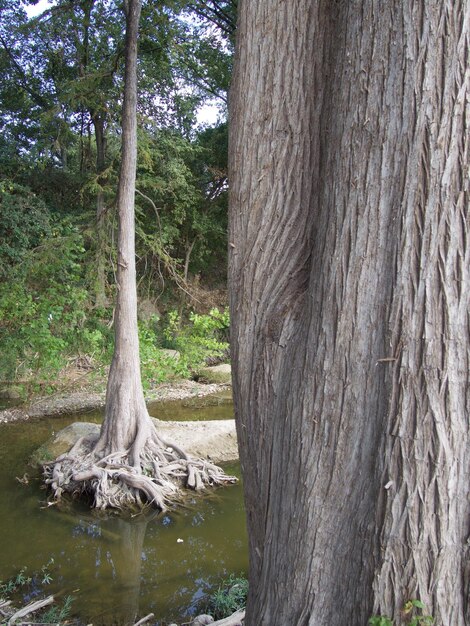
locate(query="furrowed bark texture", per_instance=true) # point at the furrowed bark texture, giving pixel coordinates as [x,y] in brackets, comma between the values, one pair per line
[125,404]
[99,124]
[349,278]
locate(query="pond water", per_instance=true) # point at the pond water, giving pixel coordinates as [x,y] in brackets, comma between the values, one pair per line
[114,567]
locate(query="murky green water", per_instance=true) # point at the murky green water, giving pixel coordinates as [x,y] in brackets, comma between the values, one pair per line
[119,567]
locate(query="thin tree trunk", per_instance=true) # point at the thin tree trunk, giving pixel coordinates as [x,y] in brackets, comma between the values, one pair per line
[125,404]
[131,464]
[349,279]
[100,283]
[187,257]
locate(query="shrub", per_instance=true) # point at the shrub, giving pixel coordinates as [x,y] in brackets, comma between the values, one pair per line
[229,597]
[25,222]
[203,337]
[43,306]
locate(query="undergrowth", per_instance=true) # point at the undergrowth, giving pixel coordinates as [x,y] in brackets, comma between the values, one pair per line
[229,597]
[413,615]
[41,340]
[23,588]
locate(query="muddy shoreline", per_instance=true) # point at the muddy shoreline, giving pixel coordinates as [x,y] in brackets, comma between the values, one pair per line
[83,401]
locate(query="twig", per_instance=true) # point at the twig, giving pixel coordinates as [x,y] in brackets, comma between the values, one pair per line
[144,619]
[234,620]
[30,608]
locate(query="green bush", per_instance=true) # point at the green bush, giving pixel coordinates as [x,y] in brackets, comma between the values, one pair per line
[200,338]
[229,597]
[203,337]
[25,222]
[156,365]
[44,307]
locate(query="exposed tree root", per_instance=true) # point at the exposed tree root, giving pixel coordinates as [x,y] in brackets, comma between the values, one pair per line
[151,471]
[236,619]
[32,607]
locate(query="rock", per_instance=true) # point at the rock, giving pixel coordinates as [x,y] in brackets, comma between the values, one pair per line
[215,440]
[212,439]
[64,440]
[14,392]
[13,415]
[76,402]
[146,310]
[202,620]
[170,354]
[216,374]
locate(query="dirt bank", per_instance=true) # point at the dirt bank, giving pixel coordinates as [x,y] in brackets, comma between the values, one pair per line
[81,401]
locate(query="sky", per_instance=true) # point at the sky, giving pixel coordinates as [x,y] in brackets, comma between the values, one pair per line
[37,9]
[207,114]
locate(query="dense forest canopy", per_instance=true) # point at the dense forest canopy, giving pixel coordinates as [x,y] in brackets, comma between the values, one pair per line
[60,107]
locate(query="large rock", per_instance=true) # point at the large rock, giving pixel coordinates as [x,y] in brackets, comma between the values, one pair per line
[215,440]
[212,439]
[170,354]
[216,374]
[63,440]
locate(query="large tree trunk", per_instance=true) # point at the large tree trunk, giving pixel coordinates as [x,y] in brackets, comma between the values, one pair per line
[350,292]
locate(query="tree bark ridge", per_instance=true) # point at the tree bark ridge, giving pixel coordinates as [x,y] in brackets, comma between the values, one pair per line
[347,152]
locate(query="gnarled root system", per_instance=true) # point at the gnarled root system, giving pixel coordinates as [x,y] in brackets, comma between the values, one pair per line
[151,471]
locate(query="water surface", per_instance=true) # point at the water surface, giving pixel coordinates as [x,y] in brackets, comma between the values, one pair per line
[119,567]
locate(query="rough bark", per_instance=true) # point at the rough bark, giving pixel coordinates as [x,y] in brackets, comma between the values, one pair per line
[99,125]
[349,280]
[125,404]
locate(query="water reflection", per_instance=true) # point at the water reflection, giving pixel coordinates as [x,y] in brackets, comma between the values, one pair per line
[121,567]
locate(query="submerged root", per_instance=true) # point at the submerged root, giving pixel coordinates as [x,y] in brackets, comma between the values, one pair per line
[154,472]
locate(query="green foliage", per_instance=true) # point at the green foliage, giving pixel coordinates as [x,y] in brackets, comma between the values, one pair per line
[22,585]
[410,609]
[43,308]
[204,336]
[13,584]
[24,223]
[182,201]
[201,337]
[62,79]
[21,579]
[413,613]
[156,365]
[229,597]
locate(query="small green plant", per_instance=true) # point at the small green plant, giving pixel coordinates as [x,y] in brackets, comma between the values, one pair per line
[380,620]
[229,597]
[21,579]
[410,609]
[45,574]
[58,614]
[15,583]
[21,587]
[413,613]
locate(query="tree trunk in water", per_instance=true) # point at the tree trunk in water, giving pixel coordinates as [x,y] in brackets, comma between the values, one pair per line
[349,279]
[125,404]
[130,464]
